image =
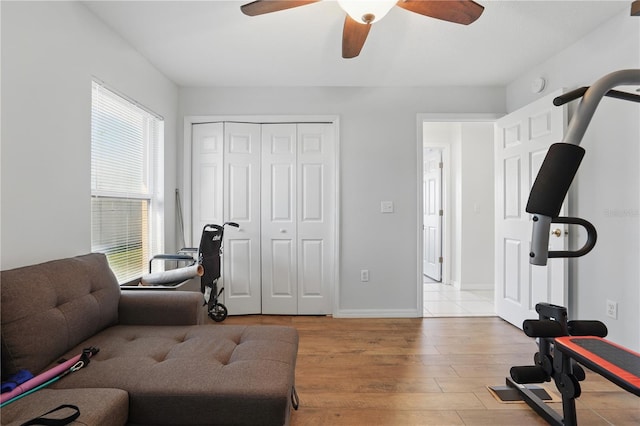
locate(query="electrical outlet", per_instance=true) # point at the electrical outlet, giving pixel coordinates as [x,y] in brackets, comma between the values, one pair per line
[612,309]
[364,275]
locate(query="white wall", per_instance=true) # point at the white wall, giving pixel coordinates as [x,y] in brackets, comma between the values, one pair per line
[50,51]
[470,201]
[477,205]
[378,148]
[606,190]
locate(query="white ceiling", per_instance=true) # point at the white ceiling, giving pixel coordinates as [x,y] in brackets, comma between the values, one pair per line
[211,43]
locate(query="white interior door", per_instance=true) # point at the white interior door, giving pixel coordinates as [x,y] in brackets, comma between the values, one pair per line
[522,139]
[315,211]
[241,257]
[432,211]
[279,211]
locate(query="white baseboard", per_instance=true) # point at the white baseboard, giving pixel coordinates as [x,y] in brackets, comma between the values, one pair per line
[378,313]
[472,286]
[476,286]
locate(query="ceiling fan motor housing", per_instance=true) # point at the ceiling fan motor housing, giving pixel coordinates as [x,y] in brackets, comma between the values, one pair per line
[368,18]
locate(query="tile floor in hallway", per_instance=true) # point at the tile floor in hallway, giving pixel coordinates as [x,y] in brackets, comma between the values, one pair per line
[442,300]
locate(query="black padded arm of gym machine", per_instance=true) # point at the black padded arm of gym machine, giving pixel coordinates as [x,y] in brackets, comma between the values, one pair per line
[552,183]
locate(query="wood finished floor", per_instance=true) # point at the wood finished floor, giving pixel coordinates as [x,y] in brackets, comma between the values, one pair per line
[423,371]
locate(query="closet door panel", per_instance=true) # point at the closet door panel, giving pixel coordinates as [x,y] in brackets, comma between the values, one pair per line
[316,217]
[312,271]
[279,243]
[207,183]
[282,258]
[238,273]
[240,196]
[241,257]
[312,194]
[281,194]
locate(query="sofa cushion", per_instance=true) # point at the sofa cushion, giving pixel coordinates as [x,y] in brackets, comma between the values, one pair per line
[98,407]
[195,375]
[161,307]
[51,307]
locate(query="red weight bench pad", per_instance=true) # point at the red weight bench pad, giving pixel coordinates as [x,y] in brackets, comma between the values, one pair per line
[614,362]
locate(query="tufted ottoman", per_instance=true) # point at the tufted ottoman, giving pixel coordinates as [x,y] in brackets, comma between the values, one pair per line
[195,375]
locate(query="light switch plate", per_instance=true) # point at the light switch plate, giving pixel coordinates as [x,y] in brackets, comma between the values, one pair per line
[386,207]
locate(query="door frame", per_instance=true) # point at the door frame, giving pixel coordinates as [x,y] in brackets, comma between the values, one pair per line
[448,216]
[190,120]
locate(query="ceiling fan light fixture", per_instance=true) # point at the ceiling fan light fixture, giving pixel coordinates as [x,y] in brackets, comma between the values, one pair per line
[367,11]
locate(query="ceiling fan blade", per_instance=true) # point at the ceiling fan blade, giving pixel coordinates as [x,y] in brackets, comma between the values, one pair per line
[354,35]
[457,11]
[260,7]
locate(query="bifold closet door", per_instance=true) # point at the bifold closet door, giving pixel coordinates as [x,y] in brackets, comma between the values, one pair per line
[298,224]
[277,181]
[226,187]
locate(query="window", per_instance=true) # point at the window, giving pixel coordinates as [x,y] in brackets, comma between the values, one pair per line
[126,182]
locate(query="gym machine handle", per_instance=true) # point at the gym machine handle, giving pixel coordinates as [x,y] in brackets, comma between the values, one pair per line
[592,236]
[540,241]
[578,93]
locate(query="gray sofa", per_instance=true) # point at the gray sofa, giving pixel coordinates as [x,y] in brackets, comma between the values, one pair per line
[156,365]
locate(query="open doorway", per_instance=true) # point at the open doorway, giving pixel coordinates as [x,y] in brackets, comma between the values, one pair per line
[457,215]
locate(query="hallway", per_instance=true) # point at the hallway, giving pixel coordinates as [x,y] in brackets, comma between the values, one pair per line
[441,300]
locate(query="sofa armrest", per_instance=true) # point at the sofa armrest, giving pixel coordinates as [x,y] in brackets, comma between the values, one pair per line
[153,307]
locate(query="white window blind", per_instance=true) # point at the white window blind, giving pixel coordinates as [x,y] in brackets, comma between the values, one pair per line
[126,183]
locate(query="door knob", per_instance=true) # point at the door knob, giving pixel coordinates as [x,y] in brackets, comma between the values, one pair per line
[283,231]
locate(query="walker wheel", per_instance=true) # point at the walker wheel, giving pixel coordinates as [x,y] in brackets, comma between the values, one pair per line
[218,312]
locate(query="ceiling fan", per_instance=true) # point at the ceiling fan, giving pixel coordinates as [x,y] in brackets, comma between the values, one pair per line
[362,13]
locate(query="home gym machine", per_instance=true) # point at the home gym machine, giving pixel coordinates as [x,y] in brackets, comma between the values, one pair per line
[563,345]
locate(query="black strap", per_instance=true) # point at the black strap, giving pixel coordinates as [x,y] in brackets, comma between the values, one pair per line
[295,400]
[42,420]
